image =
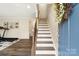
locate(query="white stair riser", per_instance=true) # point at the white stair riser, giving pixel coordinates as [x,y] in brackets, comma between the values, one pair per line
[44,40]
[44,45]
[43,31]
[44,35]
[43,26]
[45,52]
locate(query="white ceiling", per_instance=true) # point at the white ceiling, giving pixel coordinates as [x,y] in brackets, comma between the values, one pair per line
[17,10]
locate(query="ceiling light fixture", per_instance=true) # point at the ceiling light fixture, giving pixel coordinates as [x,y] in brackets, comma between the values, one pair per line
[28,6]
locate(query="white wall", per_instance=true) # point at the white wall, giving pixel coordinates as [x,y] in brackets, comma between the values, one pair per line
[13,13]
[21,32]
[53,24]
[42,10]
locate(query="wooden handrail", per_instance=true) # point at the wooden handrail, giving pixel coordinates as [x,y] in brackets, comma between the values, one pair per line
[34,38]
[35,32]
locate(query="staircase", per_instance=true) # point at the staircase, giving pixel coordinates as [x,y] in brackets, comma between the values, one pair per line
[44,44]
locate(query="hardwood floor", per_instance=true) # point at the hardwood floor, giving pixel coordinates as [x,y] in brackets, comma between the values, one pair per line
[21,48]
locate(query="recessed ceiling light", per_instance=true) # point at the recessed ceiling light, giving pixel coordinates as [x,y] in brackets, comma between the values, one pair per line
[61,3]
[28,6]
